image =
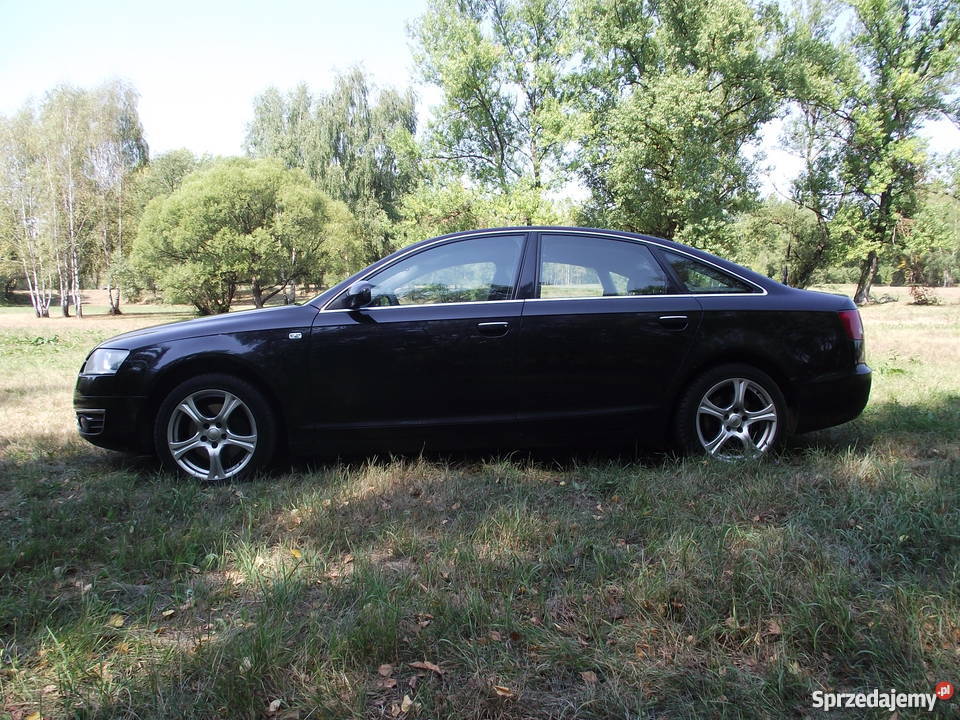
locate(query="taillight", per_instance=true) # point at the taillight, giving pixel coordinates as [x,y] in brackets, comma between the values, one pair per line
[852,324]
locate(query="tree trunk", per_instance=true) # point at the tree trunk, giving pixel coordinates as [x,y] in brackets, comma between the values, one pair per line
[256,292]
[867,271]
[64,295]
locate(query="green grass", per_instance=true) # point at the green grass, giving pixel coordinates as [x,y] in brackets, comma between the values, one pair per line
[582,587]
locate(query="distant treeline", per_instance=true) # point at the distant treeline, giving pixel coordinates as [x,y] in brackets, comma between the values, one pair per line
[654,106]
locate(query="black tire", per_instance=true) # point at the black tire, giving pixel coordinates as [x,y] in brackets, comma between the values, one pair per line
[215,428]
[736,431]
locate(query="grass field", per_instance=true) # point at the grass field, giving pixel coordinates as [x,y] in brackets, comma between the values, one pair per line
[563,587]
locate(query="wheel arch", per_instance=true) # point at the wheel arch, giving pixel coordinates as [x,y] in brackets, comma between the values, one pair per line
[744,357]
[190,367]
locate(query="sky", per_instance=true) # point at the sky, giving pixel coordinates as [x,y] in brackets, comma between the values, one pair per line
[199,65]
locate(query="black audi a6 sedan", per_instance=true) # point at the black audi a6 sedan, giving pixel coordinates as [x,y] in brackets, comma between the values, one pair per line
[510,335]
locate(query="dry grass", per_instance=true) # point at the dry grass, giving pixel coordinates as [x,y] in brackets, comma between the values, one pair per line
[580,587]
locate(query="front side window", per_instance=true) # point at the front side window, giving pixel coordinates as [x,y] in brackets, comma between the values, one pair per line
[577,266]
[474,270]
[698,277]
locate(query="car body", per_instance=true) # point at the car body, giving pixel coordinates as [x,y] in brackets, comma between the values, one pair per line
[504,335]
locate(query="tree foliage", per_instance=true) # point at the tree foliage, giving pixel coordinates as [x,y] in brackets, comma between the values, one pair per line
[500,66]
[64,167]
[350,141]
[674,93]
[238,221]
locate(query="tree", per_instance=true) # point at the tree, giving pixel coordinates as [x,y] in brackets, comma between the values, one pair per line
[907,53]
[499,64]
[65,120]
[65,166]
[930,245]
[785,241]
[349,141]
[445,207]
[674,91]
[238,221]
[24,227]
[162,175]
[117,148]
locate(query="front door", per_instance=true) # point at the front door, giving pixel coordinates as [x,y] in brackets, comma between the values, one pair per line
[437,345]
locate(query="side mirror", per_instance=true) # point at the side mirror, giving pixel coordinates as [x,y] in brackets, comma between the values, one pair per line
[359,294]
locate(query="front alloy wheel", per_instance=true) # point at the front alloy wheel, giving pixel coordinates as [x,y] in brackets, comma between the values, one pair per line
[215,428]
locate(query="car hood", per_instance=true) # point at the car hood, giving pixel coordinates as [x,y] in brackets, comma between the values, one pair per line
[243,321]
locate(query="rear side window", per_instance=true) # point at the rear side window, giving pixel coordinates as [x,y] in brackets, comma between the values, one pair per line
[577,266]
[698,277]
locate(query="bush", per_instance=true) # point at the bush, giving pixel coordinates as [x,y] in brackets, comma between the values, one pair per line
[923,295]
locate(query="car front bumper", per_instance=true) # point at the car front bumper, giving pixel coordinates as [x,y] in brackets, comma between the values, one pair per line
[107,420]
[833,400]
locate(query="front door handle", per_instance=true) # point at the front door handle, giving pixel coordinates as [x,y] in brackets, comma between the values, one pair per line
[674,322]
[493,329]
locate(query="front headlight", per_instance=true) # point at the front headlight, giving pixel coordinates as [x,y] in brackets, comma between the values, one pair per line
[104,361]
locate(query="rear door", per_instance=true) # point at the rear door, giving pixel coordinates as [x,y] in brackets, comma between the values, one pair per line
[605,333]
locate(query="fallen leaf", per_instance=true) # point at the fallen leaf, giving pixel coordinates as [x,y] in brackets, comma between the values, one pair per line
[168,613]
[395,710]
[116,620]
[296,553]
[385,670]
[504,692]
[406,704]
[495,636]
[427,665]
[47,689]
[245,664]
[34,716]
[387,683]
[773,628]
[589,677]
[273,706]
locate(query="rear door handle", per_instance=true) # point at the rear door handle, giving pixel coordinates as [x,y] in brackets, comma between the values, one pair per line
[674,322]
[493,329]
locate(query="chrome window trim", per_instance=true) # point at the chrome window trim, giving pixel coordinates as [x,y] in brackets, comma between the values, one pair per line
[441,241]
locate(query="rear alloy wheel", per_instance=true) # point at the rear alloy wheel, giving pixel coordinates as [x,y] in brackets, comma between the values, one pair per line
[215,428]
[732,412]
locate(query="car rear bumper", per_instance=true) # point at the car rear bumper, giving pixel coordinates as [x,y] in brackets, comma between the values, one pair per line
[833,400]
[111,422]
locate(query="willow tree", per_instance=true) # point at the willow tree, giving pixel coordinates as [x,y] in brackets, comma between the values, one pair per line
[350,141]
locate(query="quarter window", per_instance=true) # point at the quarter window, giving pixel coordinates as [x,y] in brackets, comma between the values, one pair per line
[698,277]
[474,270]
[576,266]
